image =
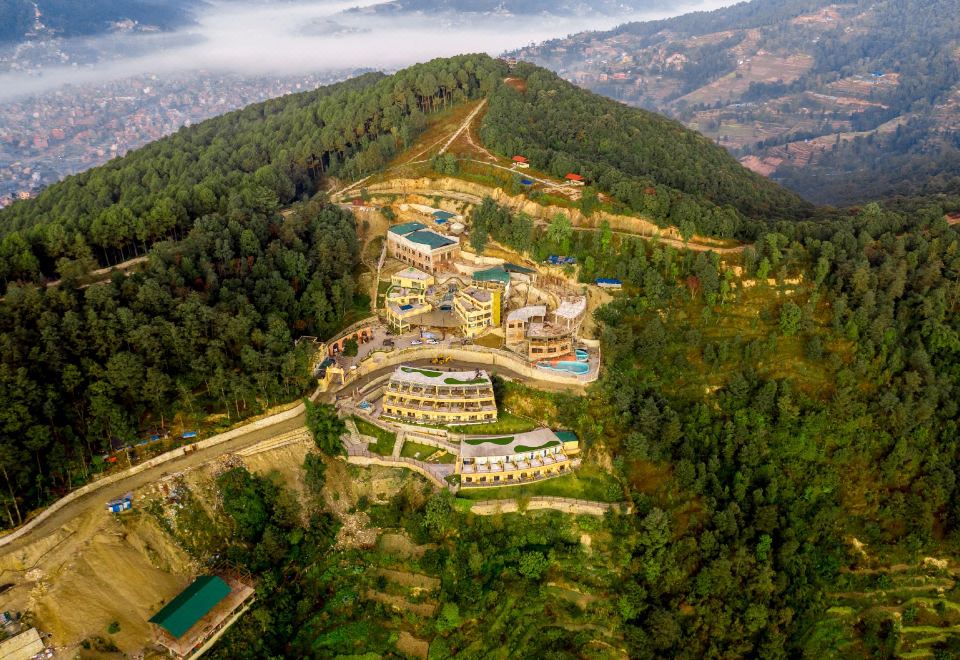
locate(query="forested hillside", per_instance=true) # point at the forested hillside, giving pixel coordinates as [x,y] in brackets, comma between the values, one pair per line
[653,164]
[230,283]
[841,102]
[260,158]
[777,441]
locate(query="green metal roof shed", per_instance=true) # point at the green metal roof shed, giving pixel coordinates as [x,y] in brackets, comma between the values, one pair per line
[514,268]
[406,228]
[192,604]
[495,274]
[430,239]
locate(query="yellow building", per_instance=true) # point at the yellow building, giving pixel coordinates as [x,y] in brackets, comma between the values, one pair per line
[412,278]
[403,296]
[401,317]
[440,397]
[502,461]
[478,309]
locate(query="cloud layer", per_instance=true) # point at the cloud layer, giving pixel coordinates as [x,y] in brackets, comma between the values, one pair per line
[308,36]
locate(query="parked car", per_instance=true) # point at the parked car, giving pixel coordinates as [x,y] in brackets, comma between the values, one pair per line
[415,342]
[432,342]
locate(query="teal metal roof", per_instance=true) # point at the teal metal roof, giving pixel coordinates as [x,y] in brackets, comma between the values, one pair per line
[192,604]
[495,274]
[443,215]
[566,436]
[406,228]
[514,268]
[429,238]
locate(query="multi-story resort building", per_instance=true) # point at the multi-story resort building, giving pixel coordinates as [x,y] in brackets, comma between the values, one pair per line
[547,341]
[440,397]
[412,278]
[570,314]
[414,244]
[403,316]
[499,461]
[478,309]
[545,336]
[518,320]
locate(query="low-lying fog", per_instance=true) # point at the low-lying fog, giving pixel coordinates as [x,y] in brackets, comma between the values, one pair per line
[309,36]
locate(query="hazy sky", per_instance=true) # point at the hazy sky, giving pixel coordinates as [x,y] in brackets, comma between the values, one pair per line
[290,38]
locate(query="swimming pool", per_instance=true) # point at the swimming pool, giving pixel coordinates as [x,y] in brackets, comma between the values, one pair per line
[582,355]
[566,365]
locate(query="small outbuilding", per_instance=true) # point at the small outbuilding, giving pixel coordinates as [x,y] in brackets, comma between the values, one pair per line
[608,283]
[120,504]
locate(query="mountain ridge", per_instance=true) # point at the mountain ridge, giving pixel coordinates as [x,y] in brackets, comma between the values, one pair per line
[842,103]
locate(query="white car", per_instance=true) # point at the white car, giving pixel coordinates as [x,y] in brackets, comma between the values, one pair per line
[432,342]
[415,342]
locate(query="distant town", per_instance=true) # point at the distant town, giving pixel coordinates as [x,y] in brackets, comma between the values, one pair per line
[47,137]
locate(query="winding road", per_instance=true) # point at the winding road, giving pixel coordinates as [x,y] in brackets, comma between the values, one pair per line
[97,498]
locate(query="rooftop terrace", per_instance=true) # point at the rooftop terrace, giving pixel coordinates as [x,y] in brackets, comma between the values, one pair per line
[435,377]
[483,446]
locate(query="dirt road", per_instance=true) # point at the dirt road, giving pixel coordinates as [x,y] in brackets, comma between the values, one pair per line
[99,497]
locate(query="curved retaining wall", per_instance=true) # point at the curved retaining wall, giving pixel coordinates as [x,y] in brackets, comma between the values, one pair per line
[407,463]
[478,354]
[146,465]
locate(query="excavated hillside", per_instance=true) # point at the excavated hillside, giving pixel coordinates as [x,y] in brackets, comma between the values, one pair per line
[103,568]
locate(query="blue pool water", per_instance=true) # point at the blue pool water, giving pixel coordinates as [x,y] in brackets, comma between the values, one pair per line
[566,365]
[582,355]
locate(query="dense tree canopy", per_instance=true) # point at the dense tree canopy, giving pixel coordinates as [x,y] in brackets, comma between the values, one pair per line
[651,163]
[259,158]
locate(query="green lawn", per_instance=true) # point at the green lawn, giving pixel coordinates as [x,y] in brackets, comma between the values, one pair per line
[421,452]
[426,372]
[493,441]
[549,443]
[385,439]
[589,482]
[506,423]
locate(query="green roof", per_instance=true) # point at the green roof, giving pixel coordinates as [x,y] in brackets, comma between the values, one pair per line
[495,274]
[406,228]
[429,238]
[514,268]
[191,605]
[566,436]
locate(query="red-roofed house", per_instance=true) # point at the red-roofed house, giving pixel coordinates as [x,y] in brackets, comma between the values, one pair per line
[575,179]
[521,162]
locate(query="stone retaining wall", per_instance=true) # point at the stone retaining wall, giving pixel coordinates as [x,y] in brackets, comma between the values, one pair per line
[566,505]
[407,463]
[475,354]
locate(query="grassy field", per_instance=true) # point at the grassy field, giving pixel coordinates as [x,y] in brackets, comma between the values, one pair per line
[422,452]
[589,482]
[385,439]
